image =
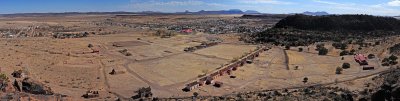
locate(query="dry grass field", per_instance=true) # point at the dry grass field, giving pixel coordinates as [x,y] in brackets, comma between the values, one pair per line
[69,67]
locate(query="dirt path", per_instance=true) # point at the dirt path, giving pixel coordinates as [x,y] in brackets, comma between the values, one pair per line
[286,58]
[209,56]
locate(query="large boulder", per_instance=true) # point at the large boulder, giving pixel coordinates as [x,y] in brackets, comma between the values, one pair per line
[34,87]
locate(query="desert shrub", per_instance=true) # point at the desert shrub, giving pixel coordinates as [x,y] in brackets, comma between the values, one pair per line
[345,52]
[3,77]
[339,70]
[322,51]
[90,45]
[341,46]
[346,65]
[352,52]
[305,80]
[287,47]
[393,58]
[371,56]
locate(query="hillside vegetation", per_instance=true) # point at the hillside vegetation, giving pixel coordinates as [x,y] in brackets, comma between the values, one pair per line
[302,30]
[340,23]
[395,49]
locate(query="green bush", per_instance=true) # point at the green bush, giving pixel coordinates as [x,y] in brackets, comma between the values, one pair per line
[322,51]
[339,70]
[346,65]
[3,77]
[343,53]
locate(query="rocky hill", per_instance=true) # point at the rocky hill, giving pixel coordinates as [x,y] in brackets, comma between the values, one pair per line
[321,13]
[340,23]
[303,30]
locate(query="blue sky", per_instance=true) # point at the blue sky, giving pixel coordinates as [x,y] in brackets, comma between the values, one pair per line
[374,7]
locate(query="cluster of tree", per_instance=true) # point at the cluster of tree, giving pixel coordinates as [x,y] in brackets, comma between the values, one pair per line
[339,45]
[345,52]
[296,37]
[321,49]
[143,94]
[63,35]
[344,66]
[303,30]
[395,49]
[339,23]
[392,60]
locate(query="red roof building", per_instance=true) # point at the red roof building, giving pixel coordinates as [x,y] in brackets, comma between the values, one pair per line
[361,59]
[187,31]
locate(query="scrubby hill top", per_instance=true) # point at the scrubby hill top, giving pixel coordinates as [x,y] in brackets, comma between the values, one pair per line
[303,30]
[340,23]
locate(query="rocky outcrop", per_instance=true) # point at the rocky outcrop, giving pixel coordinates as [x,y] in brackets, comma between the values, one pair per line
[390,88]
[34,87]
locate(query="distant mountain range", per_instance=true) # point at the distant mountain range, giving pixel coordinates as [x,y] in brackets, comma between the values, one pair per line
[252,12]
[231,11]
[315,13]
[397,17]
[201,12]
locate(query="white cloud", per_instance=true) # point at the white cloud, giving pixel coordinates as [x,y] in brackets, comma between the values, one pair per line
[265,2]
[179,3]
[394,3]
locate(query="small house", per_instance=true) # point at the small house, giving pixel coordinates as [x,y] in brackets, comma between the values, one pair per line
[368,67]
[188,30]
[361,59]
